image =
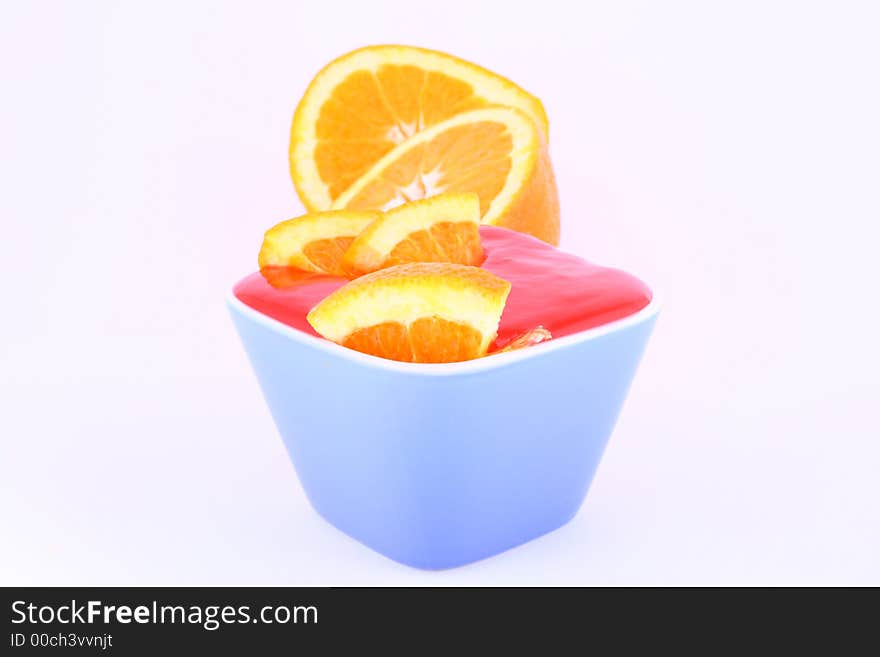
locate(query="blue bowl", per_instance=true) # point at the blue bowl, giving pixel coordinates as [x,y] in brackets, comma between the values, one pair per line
[437,466]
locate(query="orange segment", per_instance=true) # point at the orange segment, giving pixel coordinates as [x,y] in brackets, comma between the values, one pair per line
[326,254]
[427,340]
[416,312]
[363,104]
[443,228]
[313,242]
[496,153]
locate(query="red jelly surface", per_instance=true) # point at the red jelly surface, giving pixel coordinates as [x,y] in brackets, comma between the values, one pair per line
[549,287]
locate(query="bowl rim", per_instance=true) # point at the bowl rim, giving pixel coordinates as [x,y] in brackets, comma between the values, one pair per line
[493,361]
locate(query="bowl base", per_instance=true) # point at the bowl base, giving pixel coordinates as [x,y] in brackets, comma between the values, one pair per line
[422,561]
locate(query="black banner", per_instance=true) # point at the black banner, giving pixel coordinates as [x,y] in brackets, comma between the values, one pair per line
[134,621]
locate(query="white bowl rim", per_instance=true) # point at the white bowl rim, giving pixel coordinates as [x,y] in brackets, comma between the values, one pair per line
[445,369]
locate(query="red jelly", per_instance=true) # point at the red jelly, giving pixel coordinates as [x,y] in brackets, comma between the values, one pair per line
[549,287]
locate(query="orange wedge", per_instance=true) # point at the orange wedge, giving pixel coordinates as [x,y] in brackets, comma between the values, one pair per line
[444,228]
[496,153]
[416,312]
[314,242]
[363,104]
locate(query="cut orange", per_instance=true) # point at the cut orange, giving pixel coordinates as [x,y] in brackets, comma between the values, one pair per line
[496,153]
[314,242]
[444,228]
[528,338]
[417,312]
[362,105]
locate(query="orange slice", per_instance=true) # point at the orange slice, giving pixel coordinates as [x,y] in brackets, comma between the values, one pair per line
[423,312]
[314,242]
[525,339]
[443,228]
[496,153]
[365,103]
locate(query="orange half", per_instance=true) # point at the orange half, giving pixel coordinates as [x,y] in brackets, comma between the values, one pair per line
[444,228]
[363,104]
[416,312]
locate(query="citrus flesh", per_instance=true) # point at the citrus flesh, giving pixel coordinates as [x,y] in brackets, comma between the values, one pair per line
[496,153]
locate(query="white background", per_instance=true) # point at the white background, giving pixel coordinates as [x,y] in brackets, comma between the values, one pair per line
[729,155]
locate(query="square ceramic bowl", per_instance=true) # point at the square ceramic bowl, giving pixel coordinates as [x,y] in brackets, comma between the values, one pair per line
[439,465]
